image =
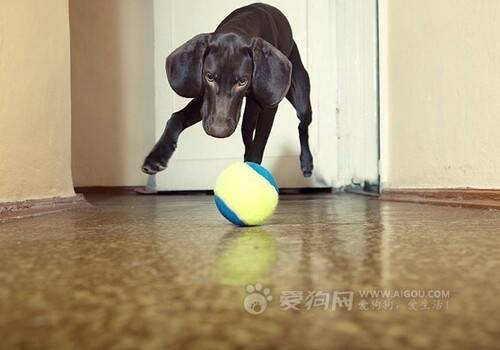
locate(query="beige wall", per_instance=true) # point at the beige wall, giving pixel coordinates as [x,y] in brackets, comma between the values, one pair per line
[35,105]
[440,86]
[112,90]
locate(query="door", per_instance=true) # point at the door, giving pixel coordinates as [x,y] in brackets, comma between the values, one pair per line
[357,81]
[199,158]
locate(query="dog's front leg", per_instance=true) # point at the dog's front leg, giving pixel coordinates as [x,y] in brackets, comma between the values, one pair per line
[250,117]
[262,131]
[161,153]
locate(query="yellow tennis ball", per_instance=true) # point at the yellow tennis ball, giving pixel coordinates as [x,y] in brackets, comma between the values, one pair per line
[246,194]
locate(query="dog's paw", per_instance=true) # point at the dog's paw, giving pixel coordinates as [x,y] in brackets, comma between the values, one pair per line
[307,172]
[306,165]
[154,163]
[157,160]
[152,166]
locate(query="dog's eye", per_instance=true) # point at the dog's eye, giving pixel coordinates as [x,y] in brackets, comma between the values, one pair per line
[242,82]
[210,77]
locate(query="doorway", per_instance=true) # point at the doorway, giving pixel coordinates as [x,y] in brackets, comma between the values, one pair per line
[338,44]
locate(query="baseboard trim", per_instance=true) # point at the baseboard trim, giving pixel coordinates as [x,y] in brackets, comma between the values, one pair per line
[36,207]
[111,189]
[458,197]
[142,190]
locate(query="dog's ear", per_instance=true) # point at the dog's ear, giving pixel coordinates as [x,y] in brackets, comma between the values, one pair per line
[272,72]
[184,66]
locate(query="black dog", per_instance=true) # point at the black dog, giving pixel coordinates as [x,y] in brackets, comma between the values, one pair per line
[251,54]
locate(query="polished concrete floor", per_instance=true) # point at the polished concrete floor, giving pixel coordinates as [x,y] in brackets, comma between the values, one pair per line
[167,272]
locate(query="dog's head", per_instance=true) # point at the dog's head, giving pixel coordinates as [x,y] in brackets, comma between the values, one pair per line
[223,68]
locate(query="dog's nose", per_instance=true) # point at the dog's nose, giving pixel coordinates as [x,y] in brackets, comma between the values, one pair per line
[219,131]
[220,128]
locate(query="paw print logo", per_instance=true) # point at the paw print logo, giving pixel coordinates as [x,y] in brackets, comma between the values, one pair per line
[257,299]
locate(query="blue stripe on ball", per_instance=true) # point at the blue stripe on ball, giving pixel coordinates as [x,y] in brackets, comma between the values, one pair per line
[264,173]
[227,212]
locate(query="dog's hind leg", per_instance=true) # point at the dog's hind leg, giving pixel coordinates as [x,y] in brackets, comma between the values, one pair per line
[249,123]
[299,97]
[160,154]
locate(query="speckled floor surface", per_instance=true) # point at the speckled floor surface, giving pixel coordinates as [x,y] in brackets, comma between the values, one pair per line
[167,272]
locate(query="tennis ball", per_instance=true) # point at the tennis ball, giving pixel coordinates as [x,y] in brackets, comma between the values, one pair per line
[246,194]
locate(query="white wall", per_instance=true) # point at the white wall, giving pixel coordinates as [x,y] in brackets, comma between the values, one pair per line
[440,85]
[112,90]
